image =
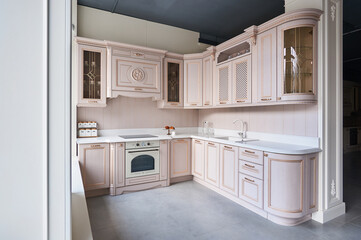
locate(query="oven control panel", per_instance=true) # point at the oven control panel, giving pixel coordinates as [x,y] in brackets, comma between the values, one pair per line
[141,144]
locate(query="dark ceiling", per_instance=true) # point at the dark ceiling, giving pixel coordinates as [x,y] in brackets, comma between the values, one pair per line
[216,20]
[352,40]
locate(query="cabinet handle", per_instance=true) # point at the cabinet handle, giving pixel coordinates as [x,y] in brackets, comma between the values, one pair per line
[240,101]
[212,144]
[92,101]
[138,89]
[206,104]
[138,54]
[174,104]
[250,166]
[266,99]
[228,147]
[197,141]
[312,158]
[194,104]
[222,102]
[279,98]
[246,151]
[94,146]
[249,180]
[266,155]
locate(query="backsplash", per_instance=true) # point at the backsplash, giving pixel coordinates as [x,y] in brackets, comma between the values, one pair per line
[300,120]
[124,112]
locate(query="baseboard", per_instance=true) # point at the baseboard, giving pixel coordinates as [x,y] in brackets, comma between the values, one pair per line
[329,214]
[181,179]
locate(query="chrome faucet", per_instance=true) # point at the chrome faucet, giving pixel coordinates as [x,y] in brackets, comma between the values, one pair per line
[243,126]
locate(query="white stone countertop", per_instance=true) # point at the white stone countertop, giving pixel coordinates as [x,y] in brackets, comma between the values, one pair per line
[261,145]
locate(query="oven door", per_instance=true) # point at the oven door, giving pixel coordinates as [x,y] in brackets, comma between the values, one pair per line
[141,162]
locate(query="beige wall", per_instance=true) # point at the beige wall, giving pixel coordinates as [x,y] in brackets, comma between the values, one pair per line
[98,24]
[298,120]
[124,112]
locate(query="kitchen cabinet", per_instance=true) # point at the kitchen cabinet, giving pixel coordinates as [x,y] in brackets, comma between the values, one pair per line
[229,169]
[290,186]
[180,157]
[173,82]
[242,80]
[193,83]
[94,164]
[163,155]
[223,84]
[117,163]
[297,64]
[91,69]
[208,81]
[267,66]
[212,163]
[198,158]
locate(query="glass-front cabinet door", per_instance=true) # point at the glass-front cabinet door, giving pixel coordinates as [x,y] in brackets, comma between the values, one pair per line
[173,82]
[297,72]
[92,76]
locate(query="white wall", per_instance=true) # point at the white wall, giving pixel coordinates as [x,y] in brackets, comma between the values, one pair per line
[23,120]
[98,24]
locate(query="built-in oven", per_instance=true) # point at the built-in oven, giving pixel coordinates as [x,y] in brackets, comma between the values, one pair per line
[142,158]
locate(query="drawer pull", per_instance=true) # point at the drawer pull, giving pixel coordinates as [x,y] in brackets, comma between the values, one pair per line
[250,166]
[246,151]
[266,99]
[94,146]
[228,147]
[249,180]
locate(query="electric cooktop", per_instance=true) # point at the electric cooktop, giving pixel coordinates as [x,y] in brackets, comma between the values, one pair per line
[138,136]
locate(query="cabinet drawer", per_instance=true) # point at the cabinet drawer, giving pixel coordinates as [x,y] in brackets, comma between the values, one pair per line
[251,155]
[251,190]
[251,169]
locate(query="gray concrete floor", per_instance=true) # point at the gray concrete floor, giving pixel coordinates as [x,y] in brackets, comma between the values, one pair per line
[189,210]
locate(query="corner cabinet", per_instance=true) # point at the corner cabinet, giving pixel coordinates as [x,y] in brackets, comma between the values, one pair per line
[180,157]
[173,82]
[297,60]
[94,165]
[91,76]
[193,83]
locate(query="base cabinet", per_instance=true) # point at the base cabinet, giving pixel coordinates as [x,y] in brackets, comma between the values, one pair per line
[180,157]
[251,190]
[163,170]
[198,158]
[212,163]
[94,164]
[229,169]
[290,185]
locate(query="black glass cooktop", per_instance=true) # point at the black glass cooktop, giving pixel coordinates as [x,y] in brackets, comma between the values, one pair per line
[137,136]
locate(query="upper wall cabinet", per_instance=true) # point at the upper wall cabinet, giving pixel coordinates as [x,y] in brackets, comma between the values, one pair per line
[193,83]
[173,82]
[91,76]
[208,81]
[223,83]
[297,61]
[242,80]
[266,66]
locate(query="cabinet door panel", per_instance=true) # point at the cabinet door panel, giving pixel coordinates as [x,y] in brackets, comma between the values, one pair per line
[284,179]
[251,190]
[229,169]
[198,158]
[312,178]
[94,162]
[242,80]
[173,82]
[212,163]
[119,165]
[208,81]
[180,157]
[91,76]
[223,84]
[193,82]
[266,66]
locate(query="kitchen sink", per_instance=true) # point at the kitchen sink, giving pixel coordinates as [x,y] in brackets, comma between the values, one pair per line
[236,139]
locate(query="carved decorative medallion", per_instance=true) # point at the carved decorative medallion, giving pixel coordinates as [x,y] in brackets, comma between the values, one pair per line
[333,188]
[138,74]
